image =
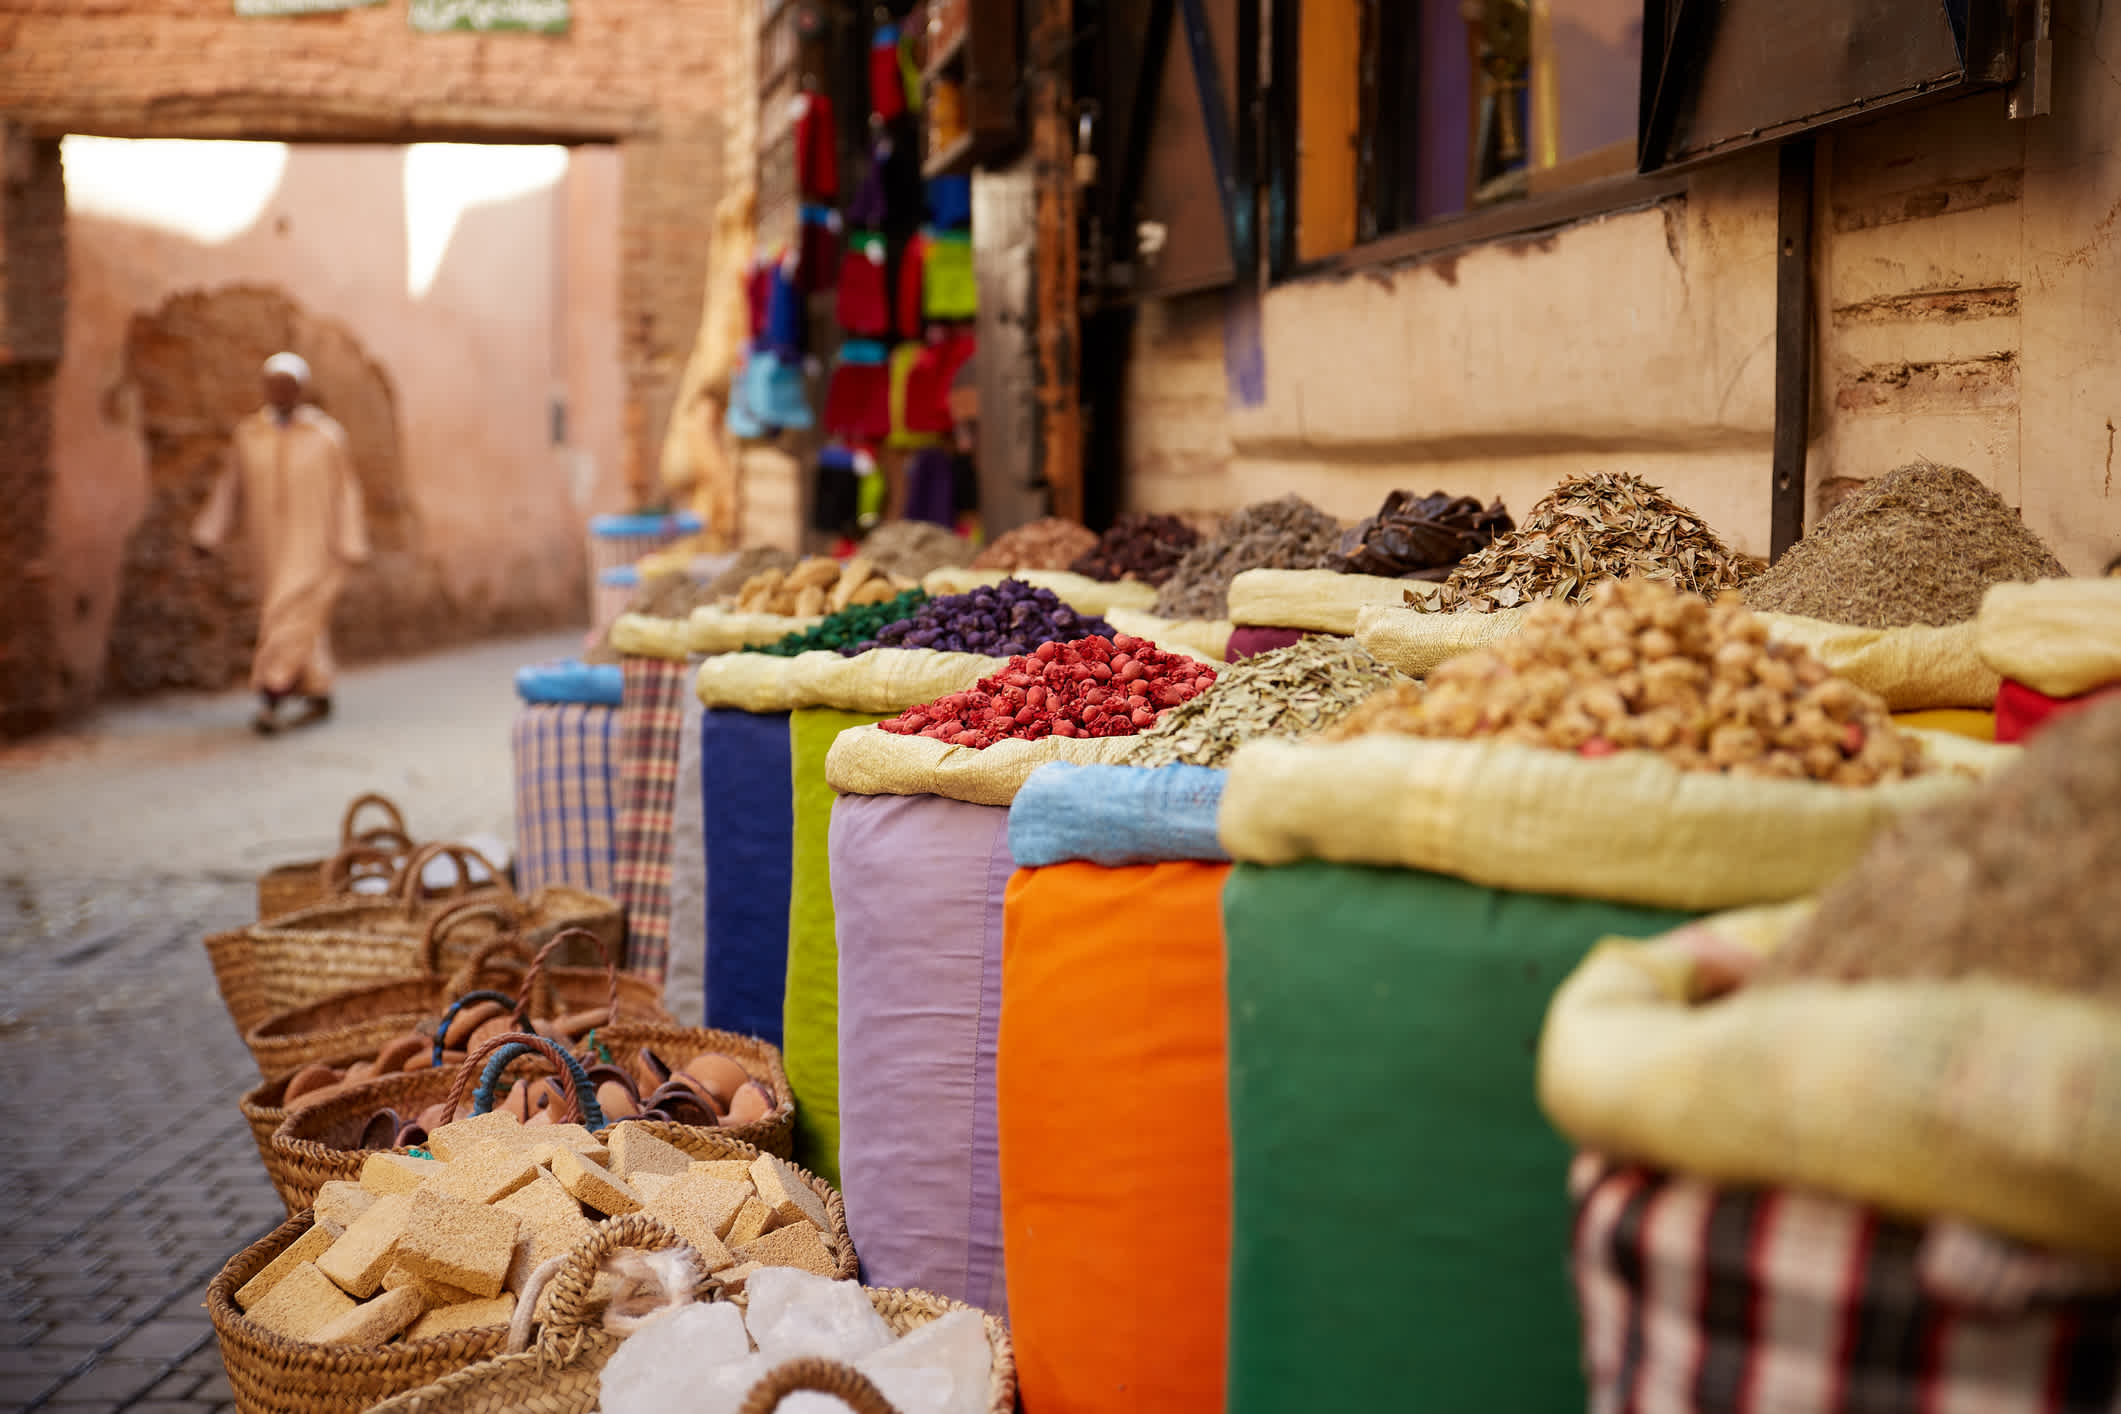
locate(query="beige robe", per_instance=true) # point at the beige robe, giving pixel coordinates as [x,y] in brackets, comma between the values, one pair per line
[294,491]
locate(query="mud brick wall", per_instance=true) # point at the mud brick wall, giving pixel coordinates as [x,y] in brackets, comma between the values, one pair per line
[33,686]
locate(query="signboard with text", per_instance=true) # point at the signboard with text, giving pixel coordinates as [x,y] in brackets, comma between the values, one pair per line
[534,16]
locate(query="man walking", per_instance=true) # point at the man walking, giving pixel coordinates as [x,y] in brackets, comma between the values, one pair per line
[290,482]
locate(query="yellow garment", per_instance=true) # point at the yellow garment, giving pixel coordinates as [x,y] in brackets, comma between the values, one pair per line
[294,490]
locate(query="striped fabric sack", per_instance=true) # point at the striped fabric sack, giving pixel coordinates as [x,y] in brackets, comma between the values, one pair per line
[1745,1301]
[566,776]
[685,976]
[651,726]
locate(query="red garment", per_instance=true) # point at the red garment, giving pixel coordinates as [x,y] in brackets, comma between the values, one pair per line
[928,385]
[818,258]
[758,291]
[858,403]
[2021,712]
[887,84]
[911,321]
[817,160]
[864,306]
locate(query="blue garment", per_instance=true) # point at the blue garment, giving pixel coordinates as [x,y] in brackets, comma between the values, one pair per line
[1115,815]
[784,314]
[747,816]
[950,202]
[569,680]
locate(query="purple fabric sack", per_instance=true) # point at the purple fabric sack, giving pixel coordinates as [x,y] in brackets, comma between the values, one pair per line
[917,885]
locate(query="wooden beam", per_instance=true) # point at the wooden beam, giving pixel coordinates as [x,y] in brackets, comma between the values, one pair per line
[1793,345]
[1059,341]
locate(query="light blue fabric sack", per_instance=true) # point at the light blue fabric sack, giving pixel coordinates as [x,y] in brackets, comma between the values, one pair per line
[570,680]
[1116,815]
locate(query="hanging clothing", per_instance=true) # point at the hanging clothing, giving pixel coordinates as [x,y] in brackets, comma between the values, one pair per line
[291,485]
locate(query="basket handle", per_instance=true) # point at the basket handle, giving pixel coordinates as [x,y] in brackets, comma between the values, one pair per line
[339,871]
[485,1065]
[813,1372]
[463,911]
[568,1290]
[482,995]
[502,945]
[537,971]
[462,855]
[384,803]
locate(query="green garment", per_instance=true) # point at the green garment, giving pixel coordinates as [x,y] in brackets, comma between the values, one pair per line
[810,1030]
[1401,1210]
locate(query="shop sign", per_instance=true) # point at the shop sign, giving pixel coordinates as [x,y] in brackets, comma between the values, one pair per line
[535,16]
[299,7]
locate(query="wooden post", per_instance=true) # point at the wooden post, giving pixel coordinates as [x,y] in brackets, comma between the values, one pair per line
[1048,59]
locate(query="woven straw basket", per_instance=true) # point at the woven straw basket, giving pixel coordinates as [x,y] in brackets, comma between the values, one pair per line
[287,887]
[318,1143]
[562,1371]
[362,1020]
[308,955]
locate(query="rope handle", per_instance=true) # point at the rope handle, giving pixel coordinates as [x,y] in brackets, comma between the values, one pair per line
[449,1016]
[536,974]
[506,946]
[357,860]
[815,1373]
[384,803]
[410,890]
[446,922]
[569,1289]
[486,1064]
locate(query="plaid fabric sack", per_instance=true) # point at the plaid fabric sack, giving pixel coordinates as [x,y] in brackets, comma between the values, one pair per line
[1758,1301]
[651,723]
[566,765]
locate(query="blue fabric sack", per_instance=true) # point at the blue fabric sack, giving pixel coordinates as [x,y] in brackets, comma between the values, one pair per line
[747,816]
[570,680]
[1116,815]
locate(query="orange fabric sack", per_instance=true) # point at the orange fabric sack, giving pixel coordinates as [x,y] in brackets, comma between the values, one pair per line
[1112,1086]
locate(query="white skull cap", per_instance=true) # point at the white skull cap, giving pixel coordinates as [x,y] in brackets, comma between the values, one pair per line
[290,364]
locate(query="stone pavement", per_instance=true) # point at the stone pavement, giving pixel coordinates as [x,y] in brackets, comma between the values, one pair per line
[129,1174]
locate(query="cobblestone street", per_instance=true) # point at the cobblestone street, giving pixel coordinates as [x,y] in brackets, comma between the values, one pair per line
[130,1174]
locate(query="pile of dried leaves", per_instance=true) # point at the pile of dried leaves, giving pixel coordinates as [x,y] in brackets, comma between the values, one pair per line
[1289,692]
[1607,525]
[1419,539]
[1284,534]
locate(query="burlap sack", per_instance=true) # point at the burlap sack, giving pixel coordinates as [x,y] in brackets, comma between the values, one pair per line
[1976,1099]
[1628,828]
[715,630]
[639,636]
[1913,669]
[1319,601]
[2060,637]
[1078,592]
[1206,639]
[883,680]
[871,761]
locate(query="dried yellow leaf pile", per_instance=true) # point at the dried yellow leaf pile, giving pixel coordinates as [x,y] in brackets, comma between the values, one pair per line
[1589,529]
[1644,666]
[1289,692]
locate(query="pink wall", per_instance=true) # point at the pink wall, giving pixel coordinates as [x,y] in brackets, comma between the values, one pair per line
[524,307]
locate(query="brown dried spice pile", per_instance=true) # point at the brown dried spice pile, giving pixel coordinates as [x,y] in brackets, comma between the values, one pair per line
[1285,534]
[2019,880]
[1419,539]
[1919,545]
[914,549]
[1048,543]
[1607,525]
[757,560]
[1289,692]
[1138,546]
[1644,666]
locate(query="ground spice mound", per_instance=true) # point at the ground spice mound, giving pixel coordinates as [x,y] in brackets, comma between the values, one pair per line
[671,596]
[1048,543]
[2019,880]
[756,560]
[914,549]
[1920,545]
[1607,525]
[1138,546]
[1289,692]
[1285,534]
[1645,666]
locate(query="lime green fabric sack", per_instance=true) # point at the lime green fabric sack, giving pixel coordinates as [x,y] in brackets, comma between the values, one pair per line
[810,1019]
[949,290]
[1401,1209]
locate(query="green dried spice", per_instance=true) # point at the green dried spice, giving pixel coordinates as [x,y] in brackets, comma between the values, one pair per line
[1290,692]
[850,625]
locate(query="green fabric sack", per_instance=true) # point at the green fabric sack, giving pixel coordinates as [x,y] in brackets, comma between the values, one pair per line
[949,290]
[1401,1208]
[810,1019]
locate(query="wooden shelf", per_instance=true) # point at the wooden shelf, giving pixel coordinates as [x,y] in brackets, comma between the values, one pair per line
[952,160]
